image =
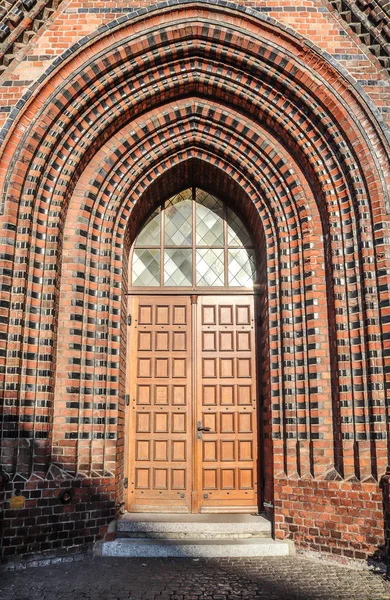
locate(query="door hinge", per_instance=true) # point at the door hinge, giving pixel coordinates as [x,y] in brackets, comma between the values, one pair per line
[127,398]
[126,483]
[129,319]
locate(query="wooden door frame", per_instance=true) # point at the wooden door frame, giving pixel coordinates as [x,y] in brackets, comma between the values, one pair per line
[194,294]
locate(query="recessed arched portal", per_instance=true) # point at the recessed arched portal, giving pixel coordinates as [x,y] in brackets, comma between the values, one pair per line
[137,113]
[192,432]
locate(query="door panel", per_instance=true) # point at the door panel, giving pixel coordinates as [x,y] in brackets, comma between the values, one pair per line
[160,405]
[177,383]
[226,404]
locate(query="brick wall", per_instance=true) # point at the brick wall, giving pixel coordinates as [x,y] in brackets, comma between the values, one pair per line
[296,142]
[340,517]
[46,524]
[317,21]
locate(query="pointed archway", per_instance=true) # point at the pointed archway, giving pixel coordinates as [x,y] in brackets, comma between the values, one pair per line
[296,148]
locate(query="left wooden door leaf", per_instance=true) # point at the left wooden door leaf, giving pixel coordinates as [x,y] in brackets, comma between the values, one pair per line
[160,405]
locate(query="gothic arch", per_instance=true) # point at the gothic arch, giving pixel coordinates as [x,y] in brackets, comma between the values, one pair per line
[246,105]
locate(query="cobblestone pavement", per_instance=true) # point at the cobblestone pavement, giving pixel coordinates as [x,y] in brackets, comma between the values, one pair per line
[294,578]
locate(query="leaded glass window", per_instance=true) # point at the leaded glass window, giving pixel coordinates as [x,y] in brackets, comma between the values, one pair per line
[193,240]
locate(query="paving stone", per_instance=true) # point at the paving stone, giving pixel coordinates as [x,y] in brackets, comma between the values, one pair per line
[287,578]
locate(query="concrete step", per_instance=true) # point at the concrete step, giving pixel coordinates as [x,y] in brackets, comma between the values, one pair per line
[191,526]
[131,548]
[193,535]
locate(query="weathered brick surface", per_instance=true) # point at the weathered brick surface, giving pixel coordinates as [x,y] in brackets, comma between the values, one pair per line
[45,524]
[316,20]
[341,517]
[232,100]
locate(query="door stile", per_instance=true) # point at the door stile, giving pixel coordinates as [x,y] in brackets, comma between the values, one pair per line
[195,500]
[260,464]
[198,442]
[129,464]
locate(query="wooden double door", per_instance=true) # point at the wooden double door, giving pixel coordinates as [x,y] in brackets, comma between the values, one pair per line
[192,411]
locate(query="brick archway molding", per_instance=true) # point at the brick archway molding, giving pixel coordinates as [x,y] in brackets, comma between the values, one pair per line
[244,107]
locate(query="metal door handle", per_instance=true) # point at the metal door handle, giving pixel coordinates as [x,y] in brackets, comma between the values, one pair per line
[200,428]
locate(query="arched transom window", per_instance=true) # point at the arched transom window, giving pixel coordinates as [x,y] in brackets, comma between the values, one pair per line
[193,240]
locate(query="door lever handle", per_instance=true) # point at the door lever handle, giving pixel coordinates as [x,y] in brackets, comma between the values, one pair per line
[200,428]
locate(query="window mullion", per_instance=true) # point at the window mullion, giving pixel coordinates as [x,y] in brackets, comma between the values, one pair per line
[194,237]
[162,242]
[225,245]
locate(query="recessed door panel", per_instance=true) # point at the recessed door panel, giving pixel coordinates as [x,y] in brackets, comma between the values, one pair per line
[161,394]
[162,340]
[179,341]
[145,340]
[162,367]
[227,394]
[179,394]
[142,450]
[227,422]
[161,450]
[143,394]
[225,341]
[179,367]
[209,341]
[162,314]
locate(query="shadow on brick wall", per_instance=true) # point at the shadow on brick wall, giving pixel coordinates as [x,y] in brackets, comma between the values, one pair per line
[382,555]
[56,515]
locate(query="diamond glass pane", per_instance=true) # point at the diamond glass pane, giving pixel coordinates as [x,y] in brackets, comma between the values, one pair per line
[237,232]
[209,220]
[178,220]
[177,267]
[146,267]
[183,195]
[242,267]
[210,267]
[150,234]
